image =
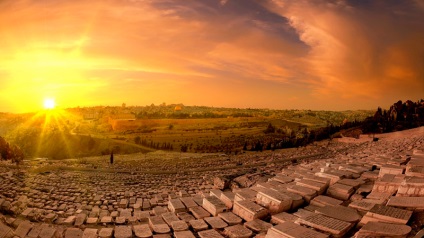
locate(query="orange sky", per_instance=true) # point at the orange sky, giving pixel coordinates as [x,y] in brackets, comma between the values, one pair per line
[329,55]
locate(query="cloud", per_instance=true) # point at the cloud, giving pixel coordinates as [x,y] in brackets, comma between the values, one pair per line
[359,49]
[223,2]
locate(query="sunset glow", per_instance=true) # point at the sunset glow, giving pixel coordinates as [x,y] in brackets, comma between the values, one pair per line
[283,54]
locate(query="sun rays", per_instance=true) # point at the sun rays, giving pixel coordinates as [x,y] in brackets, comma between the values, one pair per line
[39,129]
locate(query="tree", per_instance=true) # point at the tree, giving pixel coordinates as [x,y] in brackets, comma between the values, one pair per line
[269,129]
[91,143]
[245,146]
[184,148]
[10,152]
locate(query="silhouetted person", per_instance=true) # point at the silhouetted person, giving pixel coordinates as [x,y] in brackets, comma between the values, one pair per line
[111,157]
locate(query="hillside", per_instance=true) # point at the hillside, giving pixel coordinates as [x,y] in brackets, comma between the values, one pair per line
[92,131]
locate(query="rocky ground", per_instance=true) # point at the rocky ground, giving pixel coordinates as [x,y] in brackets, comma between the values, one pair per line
[349,187]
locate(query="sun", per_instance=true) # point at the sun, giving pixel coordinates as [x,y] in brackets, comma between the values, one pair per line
[49,103]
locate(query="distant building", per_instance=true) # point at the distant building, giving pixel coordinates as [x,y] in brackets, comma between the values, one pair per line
[123,116]
[91,116]
[123,121]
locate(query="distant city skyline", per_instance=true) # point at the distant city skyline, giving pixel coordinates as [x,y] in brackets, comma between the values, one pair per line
[277,54]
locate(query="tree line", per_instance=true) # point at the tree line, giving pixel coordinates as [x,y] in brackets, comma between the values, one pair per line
[400,116]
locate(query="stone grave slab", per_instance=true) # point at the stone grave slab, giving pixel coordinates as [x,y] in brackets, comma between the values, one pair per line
[105,232]
[215,192]
[420,234]
[318,179]
[103,213]
[125,213]
[410,203]
[411,187]
[245,194]
[5,231]
[183,193]
[282,178]
[364,189]
[361,206]
[380,229]
[169,217]
[274,201]
[142,231]
[188,202]
[158,210]
[198,225]
[120,220]
[123,203]
[371,175]
[159,225]
[292,230]
[283,217]
[162,236]
[69,220]
[340,191]
[335,227]
[146,205]
[198,199]
[198,212]
[322,201]
[80,219]
[185,216]
[249,211]
[258,226]
[330,175]
[227,198]
[214,205]
[92,221]
[230,218]
[48,232]
[35,231]
[183,234]
[209,234]
[175,205]
[389,183]
[391,169]
[379,196]
[26,212]
[307,193]
[381,213]
[311,208]
[73,233]
[142,215]
[297,200]
[179,226]
[238,231]
[302,213]
[340,213]
[90,233]
[23,228]
[106,220]
[123,232]
[215,222]
[317,186]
